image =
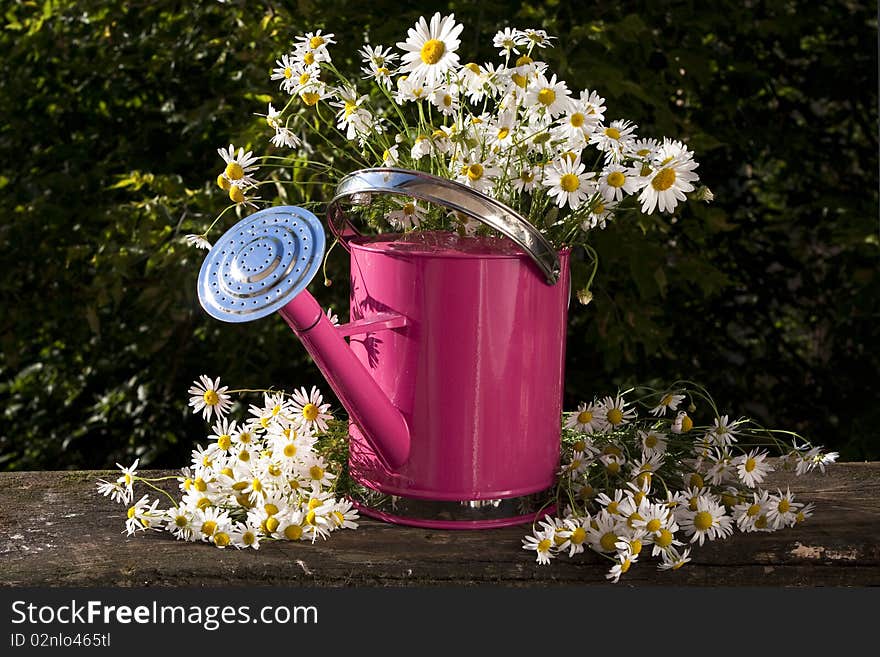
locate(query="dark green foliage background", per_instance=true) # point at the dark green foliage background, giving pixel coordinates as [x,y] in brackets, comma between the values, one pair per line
[112,112]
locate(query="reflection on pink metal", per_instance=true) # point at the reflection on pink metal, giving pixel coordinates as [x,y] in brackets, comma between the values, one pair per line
[454,376]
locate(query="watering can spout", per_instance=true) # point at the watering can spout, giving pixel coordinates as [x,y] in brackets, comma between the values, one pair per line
[382,423]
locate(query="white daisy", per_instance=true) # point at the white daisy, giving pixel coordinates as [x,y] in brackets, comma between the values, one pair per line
[207,396]
[746,514]
[344,515]
[669,401]
[753,467]
[569,183]
[614,139]
[379,63]
[244,536]
[604,532]
[238,166]
[179,521]
[672,560]
[617,180]
[652,441]
[538,38]
[391,156]
[527,179]
[682,423]
[508,41]
[309,410]
[315,43]
[407,215]
[601,212]
[477,171]
[722,433]
[624,558]
[782,509]
[198,241]
[614,412]
[287,71]
[430,48]
[586,418]
[541,541]
[445,99]
[708,520]
[667,184]
[549,97]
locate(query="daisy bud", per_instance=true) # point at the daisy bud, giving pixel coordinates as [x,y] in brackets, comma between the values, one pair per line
[584,296]
[703,193]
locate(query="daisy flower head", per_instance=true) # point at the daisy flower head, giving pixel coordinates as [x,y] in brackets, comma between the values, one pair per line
[309,409]
[315,43]
[667,184]
[812,459]
[198,241]
[601,212]
[722,433]
[537,38]
[623,560]
[614,412]
[126,479]
[652,441]
[477,171]
[722,468]
[569,183]
[391,156]
[668,401]
[223,431]
[673,560]
[143,515]
[707,521]
[239,166]
[527,179]
[682,423]
[430,48]
[617,180]
[286,71]
[541,541]
[549,97]
[179,521]
[574,535]
[508,41]
[378,63]
[783,510]
[585,419]
[445,99]
[208,397]
[242,536]
[752,468]
[344,515]
[407,215]
[746,514]
[614,139]
[604,532]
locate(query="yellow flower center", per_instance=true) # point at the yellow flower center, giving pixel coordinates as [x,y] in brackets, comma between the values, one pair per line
[200,485]
[131,511]
[305,77]
[753,510]
[519,80]
[234,172]
[750,464]
[293,532]
[244,500]
[203,503]
[663,180]
[223,182]
[613,133]
[502,134]
[615,416]
[664,540]
[309,59]
[527,176]
[433,51]
[236,195]
[310,98]
[264,422]
[244,455]
[608,541]
[686,424]
[643,152]
[616,179]
[579,446]
[209,527]
[631,521]
[409,209]
[288,72]
[729,500]
[576,120]
[256,485]
[472,67]
[578,536]
[640,495]
[523,60]
[310,412]
[221,539]
[314,503]
[612,507]
[475,172]
[272,524]
[290,450]
[653,525]
[316,472]
[316,42]
[613,467]
[695,481]
[447,100]
[784,506]
[625,566]
[180,521]
[544,545]
[703,520]
[224,442]
[546,96]
[761,522]
[650,441]
[248,538]
[569,182]
[350,107]
[599,209]
[635,545]
[270,508]
[692,504]
[211,398]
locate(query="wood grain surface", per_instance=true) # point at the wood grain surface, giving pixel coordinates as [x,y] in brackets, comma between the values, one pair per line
[56,530]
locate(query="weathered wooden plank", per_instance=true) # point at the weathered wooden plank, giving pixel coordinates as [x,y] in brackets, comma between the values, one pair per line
[56,530]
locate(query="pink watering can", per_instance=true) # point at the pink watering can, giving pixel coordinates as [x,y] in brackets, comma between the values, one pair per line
[453,373]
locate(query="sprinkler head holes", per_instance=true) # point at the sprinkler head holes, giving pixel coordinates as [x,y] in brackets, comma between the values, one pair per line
[261,263]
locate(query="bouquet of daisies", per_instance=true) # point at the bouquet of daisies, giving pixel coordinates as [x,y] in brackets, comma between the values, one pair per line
[510,129]
[657,484]
[261,479]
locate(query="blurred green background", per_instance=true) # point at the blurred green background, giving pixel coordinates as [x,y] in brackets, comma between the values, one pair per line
[112,113]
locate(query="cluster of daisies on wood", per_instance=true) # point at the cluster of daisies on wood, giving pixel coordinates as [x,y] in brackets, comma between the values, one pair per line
[260,478]
[510,129]
[659,483]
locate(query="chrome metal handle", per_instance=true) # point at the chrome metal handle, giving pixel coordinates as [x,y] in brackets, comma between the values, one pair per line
[357,187]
